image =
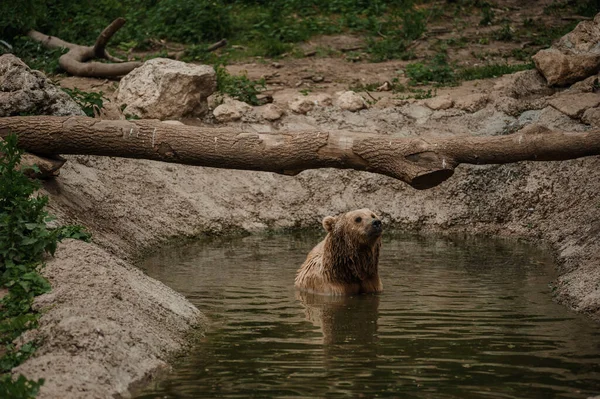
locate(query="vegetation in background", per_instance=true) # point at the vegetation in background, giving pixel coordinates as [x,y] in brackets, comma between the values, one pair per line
[90,102]
[491,71]
[24,240]
[239,87]
[437,71]
[34,54]
[267,28]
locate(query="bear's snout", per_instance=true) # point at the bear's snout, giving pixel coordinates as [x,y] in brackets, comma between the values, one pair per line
[376,228]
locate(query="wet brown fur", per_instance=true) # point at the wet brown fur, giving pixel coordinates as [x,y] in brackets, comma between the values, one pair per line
[345,262]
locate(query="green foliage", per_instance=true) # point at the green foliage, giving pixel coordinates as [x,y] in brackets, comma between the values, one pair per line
[505,33]
[35,55]
[21,388]
[24,239]
[540,34]
[587,8]
[266,28]
[396,41]
[491,71]
[91,103]
[487,15]
[239,87]
[191,21]
[14,356]
[437,71]
[18,16]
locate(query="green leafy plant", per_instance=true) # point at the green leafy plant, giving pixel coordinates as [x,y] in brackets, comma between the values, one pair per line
[91,103]
[491,71]
[35,55]
[239,87]
[505,33]
[487,15]
[191,21]
[436,71]
[24,239]
[21,388]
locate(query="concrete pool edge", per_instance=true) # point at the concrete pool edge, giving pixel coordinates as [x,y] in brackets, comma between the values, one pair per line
[80,357]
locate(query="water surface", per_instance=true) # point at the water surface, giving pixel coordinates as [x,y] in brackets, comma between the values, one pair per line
[458,319]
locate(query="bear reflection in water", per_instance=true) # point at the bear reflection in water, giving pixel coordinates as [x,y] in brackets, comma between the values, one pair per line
[342,319]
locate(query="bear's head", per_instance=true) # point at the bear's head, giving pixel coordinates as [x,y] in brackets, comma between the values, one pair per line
[361,226]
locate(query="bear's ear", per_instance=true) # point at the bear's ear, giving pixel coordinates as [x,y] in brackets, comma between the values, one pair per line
[328,223]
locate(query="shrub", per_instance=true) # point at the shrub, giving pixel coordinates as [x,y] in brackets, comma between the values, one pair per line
[24,239]
[238,87]
[191,21]
[91,103]
[437,71]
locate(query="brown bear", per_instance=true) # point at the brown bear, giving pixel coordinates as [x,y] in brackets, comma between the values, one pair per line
[345,262]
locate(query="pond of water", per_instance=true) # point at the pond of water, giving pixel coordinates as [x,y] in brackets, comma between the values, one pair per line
[458,318]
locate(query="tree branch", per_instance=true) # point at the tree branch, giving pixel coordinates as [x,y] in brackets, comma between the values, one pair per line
[422,162]
[105,36]
[74,61]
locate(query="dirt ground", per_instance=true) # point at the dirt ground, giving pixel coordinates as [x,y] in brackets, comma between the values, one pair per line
[106,326]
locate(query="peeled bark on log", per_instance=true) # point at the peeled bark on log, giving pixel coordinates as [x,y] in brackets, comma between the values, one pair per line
[74,61]
[422,162]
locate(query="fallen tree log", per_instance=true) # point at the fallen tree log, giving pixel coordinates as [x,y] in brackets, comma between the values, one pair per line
[74,61]
[422,162]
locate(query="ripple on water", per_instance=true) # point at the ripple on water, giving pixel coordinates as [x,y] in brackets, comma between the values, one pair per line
[458,319]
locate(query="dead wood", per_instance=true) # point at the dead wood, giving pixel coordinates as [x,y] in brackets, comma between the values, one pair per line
[217,45]
[422,162]
[75,60]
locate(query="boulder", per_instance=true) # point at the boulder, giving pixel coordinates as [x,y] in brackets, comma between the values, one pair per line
[271,112]
[439,103]
[305,104]
[574,57]
[351,101]
[574,104]
[416,111]
[472,102]
[231,110]
[592,117]
[26,91]
[167,89]
[522,85]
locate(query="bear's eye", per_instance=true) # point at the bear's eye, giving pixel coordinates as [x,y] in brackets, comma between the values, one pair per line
[373,216]
[358,219]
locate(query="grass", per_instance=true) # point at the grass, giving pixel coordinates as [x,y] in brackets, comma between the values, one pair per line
[239,87]
[436,71]
[491,71]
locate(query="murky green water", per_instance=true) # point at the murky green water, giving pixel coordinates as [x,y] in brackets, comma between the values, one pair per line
[458,319]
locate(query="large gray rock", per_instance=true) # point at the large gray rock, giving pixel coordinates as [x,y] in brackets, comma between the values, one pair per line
[574,57]
[25,91]
[167,89]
